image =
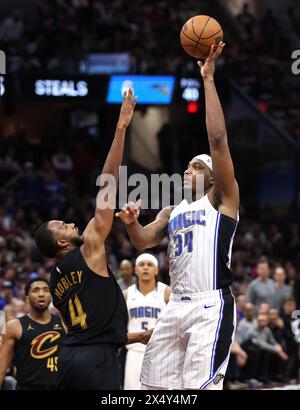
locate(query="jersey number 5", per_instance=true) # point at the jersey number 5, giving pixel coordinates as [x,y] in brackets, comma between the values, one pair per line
[183,240]
[80,318]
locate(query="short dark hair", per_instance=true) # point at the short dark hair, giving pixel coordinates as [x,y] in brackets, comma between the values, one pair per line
[28,285]
[288,299]
[45,241]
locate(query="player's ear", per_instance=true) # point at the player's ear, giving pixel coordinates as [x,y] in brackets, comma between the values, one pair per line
[62,243]
[211,180]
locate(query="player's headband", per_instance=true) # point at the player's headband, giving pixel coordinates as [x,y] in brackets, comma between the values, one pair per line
[206,159]
[146,257]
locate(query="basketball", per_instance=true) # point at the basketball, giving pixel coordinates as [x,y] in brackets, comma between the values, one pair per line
[198,34]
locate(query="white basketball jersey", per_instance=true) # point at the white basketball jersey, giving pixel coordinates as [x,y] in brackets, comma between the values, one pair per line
[144,310]
[200,245]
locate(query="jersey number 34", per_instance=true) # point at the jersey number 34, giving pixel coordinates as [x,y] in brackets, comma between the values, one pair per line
[181,241]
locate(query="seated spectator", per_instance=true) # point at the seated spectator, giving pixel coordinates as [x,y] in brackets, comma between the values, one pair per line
[259,345]
[237,360]
[282,291]
[262,289]
[264,308]
[246,324]
[277,366]
[240,307]
[6,293]
[292,347]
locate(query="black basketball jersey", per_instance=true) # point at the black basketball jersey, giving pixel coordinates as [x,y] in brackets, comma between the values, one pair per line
[92,306]
[36,353]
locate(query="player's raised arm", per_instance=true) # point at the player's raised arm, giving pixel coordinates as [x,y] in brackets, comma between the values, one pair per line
[148,236]
[13,333]
[104,211]
[225,192]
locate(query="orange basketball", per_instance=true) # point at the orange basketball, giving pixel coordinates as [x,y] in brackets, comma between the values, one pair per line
[198,34]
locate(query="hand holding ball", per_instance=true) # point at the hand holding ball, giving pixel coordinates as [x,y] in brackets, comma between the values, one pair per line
[198,34]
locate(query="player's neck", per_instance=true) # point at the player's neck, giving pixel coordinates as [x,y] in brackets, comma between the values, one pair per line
[40,317]
[146,287]
[62,253]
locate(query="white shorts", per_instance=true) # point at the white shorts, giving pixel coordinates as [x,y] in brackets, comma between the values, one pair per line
[190,344]
[133,366]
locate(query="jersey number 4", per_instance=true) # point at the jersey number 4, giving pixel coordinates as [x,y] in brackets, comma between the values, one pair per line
[80,318]
[182,241]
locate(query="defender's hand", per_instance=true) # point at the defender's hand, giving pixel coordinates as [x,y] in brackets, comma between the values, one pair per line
[145,336]
[129,212]
[207,69]
[127,109]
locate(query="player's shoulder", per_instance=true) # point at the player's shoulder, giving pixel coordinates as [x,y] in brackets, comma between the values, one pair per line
[161,285]
[55,319]
[129,291]
[14,328]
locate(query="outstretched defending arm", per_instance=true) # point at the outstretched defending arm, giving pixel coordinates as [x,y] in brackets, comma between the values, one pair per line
[100,226]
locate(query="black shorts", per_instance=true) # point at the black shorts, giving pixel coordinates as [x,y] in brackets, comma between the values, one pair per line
[89,367]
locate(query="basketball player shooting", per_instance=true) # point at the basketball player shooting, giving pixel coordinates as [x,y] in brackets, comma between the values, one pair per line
[190,345]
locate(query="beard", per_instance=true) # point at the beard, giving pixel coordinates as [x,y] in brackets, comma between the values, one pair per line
[38,309]
[77,241]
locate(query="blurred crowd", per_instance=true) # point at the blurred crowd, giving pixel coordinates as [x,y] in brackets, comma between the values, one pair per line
[262,64]
[52,183]
[64,32]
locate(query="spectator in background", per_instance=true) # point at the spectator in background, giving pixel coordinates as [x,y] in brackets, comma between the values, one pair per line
[277,366]
[292,347]
[6,294]
[19,307]
[240,306]
[260,344]
[238,359]
[12,28]
[247,21]
[62,162]
[10,312]
[262,289]
[127,277]
[28,185]
[246,324]
[52,191]
[264,308]
[282,291]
